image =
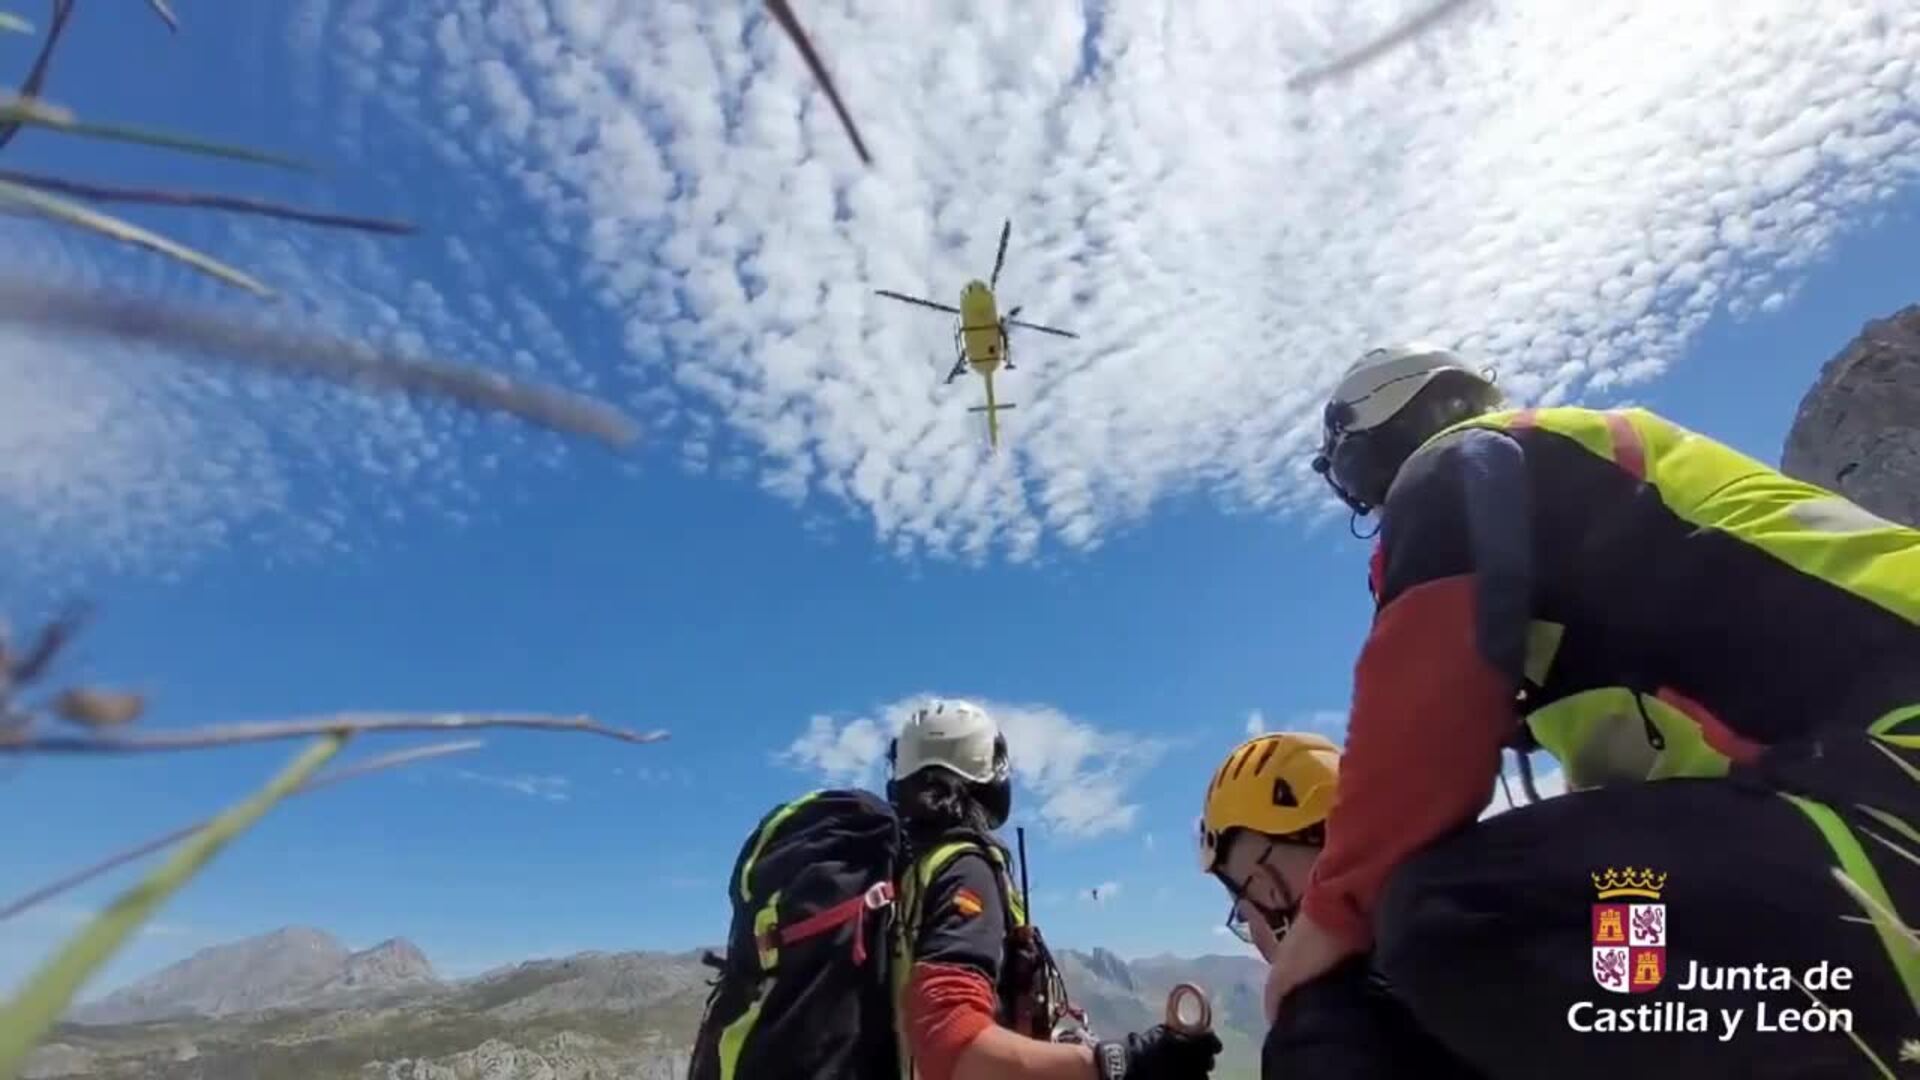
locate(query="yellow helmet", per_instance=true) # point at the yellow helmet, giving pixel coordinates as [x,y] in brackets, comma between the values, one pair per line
[1278,784]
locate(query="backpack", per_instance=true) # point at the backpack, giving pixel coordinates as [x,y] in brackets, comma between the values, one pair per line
[805,989]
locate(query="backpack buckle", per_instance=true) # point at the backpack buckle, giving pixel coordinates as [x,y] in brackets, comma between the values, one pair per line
[879,896]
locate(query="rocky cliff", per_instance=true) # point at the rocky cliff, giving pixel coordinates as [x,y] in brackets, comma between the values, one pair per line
[1858,428]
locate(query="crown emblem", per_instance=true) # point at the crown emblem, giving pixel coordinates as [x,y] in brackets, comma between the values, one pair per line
[1629,882]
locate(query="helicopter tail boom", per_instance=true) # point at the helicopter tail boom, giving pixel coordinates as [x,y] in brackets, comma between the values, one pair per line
[992,409]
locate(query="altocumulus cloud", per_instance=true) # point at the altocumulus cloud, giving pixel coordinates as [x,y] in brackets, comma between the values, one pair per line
[1072,775]
[1566,190]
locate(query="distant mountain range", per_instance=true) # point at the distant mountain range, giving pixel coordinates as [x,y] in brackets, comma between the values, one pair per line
[297,1004]
[293,967]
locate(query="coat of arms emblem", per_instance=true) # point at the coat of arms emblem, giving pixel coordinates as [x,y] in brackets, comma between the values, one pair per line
[1629,930]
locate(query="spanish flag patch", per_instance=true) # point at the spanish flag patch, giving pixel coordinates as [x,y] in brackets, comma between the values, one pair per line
[966,903]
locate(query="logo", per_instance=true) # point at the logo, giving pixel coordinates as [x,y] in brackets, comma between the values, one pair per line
[1629,930]
[966,903]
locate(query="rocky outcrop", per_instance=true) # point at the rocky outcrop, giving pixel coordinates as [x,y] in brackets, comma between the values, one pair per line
[1858,428]
[288,968]
[566,1056]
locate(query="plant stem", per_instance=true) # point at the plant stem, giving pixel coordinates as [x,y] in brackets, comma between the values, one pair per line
[351,723]
[205,200]
[47,995]
[86,874]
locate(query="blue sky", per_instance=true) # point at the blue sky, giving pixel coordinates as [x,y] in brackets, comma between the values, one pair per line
[1146,567]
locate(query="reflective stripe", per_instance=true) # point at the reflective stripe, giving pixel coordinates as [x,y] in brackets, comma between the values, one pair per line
[767,831]
[1902,950]
[733,1038]
[1886,724]
[1602,736]
[1713,486]
[907,925]
[1543,644]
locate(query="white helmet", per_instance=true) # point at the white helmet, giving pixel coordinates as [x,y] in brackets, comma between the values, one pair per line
[954,735]
[1382,412]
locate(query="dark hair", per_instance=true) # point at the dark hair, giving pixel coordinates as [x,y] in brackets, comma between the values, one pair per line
[1366,462]
[934,801]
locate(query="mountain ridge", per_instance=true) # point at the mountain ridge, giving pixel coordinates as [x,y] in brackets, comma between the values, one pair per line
[293,966]
[591,1014]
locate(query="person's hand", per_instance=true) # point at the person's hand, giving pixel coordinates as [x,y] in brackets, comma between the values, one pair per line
[1159,1053]
[1264,939]
[1307,952]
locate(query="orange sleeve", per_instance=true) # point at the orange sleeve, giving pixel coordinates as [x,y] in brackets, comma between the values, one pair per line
[948,1006]
[1430,715]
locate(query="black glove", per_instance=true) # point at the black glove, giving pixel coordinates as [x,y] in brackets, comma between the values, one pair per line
[1157,1054]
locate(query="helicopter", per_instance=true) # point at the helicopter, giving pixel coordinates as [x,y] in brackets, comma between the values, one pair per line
[980,336]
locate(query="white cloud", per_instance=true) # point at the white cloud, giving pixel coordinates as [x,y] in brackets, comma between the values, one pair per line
[1072,775]
[1329,722]
[1256,723]
[1566,190]
[549,788]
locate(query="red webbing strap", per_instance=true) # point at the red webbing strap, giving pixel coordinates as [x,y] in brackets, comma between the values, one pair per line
[1629,452]
[851,910]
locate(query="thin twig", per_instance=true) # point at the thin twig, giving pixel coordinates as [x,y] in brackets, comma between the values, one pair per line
[356,723]
[783,14]
[161,9]
[1850,1033]
[67,212]
[48,644]
[372,765]
[130,318]
[205,200]
[48,993]
[1413,27]
[35,112]
[37,75]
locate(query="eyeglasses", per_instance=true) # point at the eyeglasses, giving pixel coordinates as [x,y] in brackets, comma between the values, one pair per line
[1280,920]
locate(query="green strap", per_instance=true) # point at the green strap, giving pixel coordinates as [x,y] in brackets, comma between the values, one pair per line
[907,926]
[766,832]
[1902,950]
[1894,719]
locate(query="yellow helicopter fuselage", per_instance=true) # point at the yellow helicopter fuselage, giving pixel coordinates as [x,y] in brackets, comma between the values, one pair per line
[981,339]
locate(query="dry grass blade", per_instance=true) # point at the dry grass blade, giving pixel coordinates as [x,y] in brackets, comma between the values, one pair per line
[355,723]
[166,14]
[15,23]
[42,63]
[1877,911]
[205,201]
[783,14]
[1851,1034]
[48,994]
[137,320]
[53,637]
[1413,27]
[71,213]
[32,112]
[148,847]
